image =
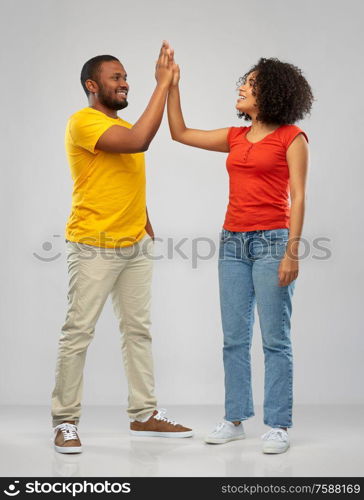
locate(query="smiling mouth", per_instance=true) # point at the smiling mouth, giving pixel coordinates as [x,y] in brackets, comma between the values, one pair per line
[122,93]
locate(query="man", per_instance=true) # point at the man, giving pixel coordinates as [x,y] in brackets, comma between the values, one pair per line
[109,239]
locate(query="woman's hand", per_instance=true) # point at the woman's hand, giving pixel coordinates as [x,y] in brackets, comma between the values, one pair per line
[175,67]
[288,270]
[176,74]
[163,67]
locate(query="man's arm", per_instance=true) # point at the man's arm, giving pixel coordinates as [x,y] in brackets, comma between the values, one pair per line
[148,227]
[119,139]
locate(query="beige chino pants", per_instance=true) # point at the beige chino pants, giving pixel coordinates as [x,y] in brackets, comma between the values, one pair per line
[94,273]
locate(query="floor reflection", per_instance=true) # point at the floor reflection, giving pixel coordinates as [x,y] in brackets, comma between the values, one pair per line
[66,465]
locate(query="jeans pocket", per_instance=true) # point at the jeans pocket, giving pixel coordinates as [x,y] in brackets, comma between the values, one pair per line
[224,235]
[276,235]
[274,243]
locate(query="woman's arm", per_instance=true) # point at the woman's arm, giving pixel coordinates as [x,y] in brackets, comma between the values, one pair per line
[213,140]
[297,158]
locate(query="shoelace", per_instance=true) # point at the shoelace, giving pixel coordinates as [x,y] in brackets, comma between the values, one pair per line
[69,431]
[219,426]
[161,416]
[279,434]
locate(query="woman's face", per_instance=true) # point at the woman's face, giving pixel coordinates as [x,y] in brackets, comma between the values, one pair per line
[246,102]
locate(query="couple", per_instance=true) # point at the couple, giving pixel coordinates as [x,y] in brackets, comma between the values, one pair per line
[109,237]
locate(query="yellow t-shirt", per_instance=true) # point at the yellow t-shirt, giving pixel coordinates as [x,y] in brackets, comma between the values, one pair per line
[109,193]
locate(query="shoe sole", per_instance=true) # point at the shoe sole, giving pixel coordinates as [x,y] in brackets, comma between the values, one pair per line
[68,449]
[162,434]
[223,441]
[275,450]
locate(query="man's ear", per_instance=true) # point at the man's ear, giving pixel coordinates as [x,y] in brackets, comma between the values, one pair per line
[91,86]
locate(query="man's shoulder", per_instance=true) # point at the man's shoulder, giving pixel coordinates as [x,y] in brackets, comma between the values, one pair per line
[85,114]
[88,114]
[124,123]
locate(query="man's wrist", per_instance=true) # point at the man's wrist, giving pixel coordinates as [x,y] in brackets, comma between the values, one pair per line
[163,86]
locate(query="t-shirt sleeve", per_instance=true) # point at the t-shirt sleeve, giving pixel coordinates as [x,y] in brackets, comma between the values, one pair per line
[85,131]
[290,133]
[233,133]
[229,134]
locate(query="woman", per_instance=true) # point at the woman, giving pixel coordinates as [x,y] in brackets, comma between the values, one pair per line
[258,259]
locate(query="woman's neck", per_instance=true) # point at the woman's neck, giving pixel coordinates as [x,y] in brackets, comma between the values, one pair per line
[258,127]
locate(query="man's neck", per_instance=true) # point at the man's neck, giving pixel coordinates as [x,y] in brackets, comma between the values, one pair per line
[107,111]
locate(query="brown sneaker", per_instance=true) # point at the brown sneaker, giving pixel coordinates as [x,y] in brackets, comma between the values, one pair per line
[66,439]
[159,426]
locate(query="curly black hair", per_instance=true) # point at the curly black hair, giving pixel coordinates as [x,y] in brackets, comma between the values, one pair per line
[282,93]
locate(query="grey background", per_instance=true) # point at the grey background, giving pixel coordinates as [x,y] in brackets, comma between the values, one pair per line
[43,47]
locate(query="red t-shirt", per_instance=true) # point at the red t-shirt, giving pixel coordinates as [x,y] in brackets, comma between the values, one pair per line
[259,179]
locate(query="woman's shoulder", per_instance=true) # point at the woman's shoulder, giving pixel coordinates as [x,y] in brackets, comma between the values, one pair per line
[288,132]
[236,132]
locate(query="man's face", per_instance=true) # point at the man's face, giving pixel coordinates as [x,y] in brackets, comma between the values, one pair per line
[113,87]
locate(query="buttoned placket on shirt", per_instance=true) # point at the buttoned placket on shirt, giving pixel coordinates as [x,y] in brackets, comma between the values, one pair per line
[247,151]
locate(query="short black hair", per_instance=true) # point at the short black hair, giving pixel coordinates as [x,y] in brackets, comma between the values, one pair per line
[282,93]
[91,68]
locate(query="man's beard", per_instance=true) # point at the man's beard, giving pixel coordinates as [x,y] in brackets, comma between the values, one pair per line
[109,102]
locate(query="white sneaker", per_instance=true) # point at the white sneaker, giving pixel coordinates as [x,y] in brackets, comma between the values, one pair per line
[224,432]
[275,441]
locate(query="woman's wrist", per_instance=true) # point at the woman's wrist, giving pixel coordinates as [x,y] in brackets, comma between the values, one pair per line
[292,249]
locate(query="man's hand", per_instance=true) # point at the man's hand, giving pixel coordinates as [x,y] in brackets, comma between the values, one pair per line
[163,67]
[175,67]
[150,231]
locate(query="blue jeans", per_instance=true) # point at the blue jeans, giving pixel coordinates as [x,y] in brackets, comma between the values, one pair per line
[248,274]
